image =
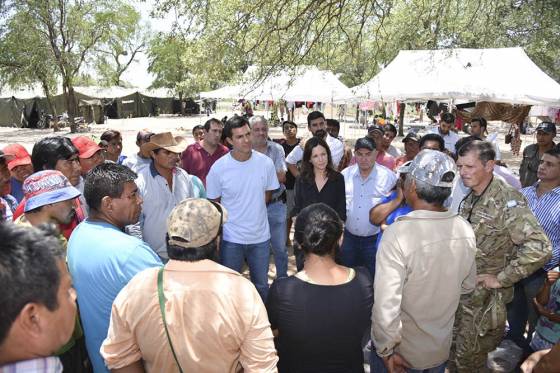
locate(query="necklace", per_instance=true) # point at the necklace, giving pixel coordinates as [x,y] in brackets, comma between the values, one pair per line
[475,201]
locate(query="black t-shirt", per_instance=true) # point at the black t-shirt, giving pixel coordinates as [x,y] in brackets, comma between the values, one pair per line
[320,328]
[290,179]
[333,194]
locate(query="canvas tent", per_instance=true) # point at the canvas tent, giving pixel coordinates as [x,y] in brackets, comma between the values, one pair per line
[505,75]
[304,84]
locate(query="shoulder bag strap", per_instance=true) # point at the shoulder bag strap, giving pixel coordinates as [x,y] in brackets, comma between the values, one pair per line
[161,298]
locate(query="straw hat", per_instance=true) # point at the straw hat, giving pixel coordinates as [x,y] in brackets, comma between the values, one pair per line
[166,141]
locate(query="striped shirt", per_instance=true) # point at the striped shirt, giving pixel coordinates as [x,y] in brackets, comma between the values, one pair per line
[49,364]
[546,209]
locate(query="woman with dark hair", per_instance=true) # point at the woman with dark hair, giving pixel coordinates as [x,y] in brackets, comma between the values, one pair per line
[114,146]
[321,314]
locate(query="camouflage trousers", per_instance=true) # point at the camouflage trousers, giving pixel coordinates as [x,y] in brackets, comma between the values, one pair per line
[478,329]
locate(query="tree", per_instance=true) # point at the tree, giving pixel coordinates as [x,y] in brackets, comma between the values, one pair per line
[67,31]
[128,37]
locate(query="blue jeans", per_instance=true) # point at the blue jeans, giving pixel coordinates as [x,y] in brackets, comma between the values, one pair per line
[359,251]
[377,366]
[521,311]
[232,255]
[277,221]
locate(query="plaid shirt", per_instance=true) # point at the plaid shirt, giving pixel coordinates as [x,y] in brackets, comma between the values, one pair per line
[49,364]
[546,209]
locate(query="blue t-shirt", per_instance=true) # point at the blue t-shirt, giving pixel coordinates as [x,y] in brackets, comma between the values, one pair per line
[16,190]
[399,211]
[102,259]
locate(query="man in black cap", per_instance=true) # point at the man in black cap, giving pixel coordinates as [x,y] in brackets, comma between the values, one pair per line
[532,154]
[366,184]
[411,148]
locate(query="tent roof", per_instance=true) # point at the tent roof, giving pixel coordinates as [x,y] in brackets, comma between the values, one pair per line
[497,75]
[305,83]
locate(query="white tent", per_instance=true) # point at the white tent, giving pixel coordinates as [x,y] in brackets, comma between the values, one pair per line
[497,75]
[303,84]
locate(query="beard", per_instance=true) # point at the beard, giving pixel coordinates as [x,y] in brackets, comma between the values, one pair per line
[322,134]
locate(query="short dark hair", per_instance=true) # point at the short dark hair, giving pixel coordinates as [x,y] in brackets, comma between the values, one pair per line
[197,127]
[433,194]
[448,118]
[333,123]
[484,149]
[106,179]
[555,152]
[317,229]
[110,135]
[209,122]
[481,120]
[391,128]
[192,254]
[28,270]
[433,137]
[46,152]
[288,123]
[307,172]
[465,140]
[314,115]
[234,122]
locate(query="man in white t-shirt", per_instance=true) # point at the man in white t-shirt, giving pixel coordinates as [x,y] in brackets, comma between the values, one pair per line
[243,181]
[317,125]
[444,129]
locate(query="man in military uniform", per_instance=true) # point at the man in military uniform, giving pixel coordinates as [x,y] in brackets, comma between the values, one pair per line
[510,246]
[532,154]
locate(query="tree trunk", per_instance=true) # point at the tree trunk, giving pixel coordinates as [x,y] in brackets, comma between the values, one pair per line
[182,106]
[70,99]
[402,107]
[48,95]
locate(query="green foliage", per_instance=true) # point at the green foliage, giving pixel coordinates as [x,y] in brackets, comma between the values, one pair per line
[353,38]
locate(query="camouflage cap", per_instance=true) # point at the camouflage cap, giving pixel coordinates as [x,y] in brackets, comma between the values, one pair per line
[195,222]
[432,167]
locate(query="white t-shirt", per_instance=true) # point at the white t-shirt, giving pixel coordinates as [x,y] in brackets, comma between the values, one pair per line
[335,145]
[493,138]
[241,187]
[450,139]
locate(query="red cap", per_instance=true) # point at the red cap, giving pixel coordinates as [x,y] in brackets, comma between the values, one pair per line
[16,155]
[86,146]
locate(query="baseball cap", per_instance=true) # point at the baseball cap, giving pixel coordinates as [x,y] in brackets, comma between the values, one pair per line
[16,155]
[547,127]
[364,143]
[86,146]
[432,167]
[412,136]
[46,187]
[195,222]
[374,128]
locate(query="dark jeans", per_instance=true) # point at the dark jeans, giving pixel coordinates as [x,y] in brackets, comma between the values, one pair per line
[521,310]
[359,251]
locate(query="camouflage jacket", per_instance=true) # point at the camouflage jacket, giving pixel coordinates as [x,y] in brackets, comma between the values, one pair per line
[510,242]
[529,165]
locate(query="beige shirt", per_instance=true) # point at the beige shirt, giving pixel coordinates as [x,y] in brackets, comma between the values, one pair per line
[215,317]
[424,263]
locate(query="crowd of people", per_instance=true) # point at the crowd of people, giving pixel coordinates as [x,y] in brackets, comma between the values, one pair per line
[426,259]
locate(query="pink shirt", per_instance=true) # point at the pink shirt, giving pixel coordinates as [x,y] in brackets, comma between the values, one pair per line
[386,160]
[197,161]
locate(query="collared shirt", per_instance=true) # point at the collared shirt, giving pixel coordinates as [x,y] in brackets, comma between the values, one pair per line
[434,265]
[241,187]
[393,151]
[362,195]
[49,364]
[136,163]
[275,152]
[450,139]
[547,210]
[529,165]
[6,212]
[197,161]
[102,259]
[335,145]
[159,200]
[215,319]
[510,241]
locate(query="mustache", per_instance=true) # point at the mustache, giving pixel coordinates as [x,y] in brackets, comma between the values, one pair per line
[321,133]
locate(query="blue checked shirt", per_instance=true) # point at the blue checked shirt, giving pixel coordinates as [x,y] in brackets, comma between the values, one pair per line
[49,364]
[546,209]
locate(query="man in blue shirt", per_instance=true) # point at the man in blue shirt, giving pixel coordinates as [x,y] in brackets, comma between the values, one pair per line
[101,257]
[544,201]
